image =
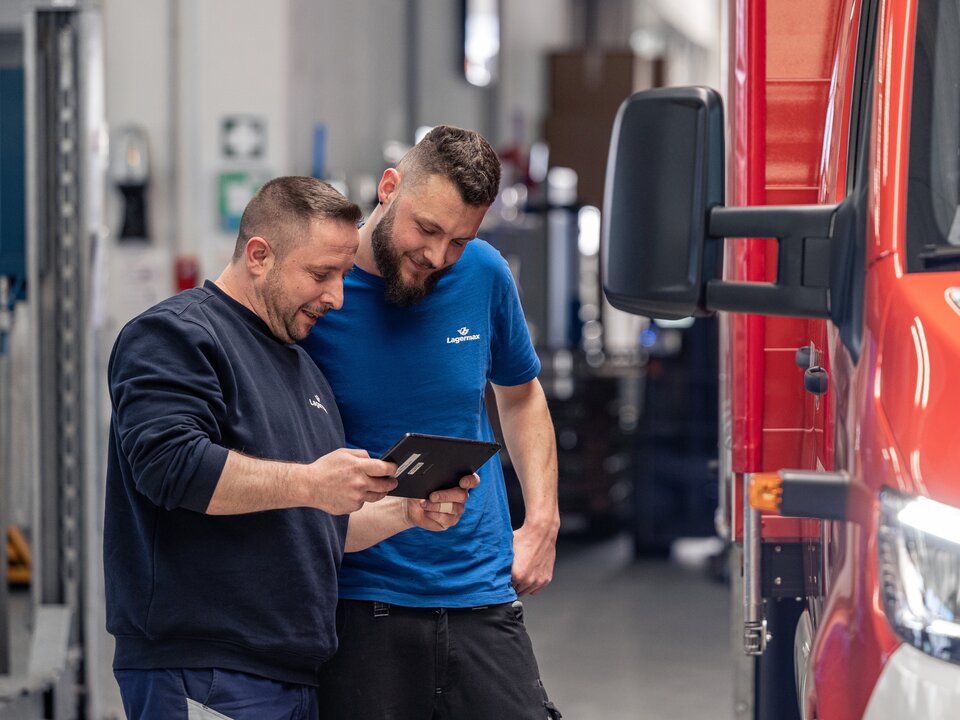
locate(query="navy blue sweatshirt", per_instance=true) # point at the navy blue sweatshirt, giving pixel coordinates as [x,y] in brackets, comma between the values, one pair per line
[191,378]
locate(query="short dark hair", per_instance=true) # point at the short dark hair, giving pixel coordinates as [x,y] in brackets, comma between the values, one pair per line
[290,203]
[462,156]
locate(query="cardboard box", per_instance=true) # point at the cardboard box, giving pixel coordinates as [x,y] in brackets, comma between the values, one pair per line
[581,141]
[587,88]
[595,81]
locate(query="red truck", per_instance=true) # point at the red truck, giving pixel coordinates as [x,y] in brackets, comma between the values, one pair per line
[837,267]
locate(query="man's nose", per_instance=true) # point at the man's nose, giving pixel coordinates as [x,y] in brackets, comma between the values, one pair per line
[334,296]
[436,253]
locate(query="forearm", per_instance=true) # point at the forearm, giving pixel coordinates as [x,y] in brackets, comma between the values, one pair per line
[375,522]
[530,440]
[249,484]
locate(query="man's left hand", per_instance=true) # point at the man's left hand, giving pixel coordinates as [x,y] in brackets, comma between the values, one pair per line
[534,553]
[443,508]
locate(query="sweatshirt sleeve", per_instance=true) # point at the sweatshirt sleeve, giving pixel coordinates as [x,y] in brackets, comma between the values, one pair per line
[168,409]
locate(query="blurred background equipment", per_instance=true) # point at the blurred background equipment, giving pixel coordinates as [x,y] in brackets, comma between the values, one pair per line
[133,133]
[676,479]
[63,133]
[130,172]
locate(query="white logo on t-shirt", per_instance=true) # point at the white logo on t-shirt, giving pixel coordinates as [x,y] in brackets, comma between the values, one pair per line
[463,336]
[315,401]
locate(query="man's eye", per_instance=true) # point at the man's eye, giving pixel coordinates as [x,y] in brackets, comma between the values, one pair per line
[320,277]
[426,231]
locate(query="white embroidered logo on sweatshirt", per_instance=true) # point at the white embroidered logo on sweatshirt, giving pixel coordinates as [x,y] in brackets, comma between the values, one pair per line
[315,401]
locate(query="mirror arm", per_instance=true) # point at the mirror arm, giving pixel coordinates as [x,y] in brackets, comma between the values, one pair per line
[804,236]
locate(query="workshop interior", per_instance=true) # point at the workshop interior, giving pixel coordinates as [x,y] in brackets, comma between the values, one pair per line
[134,132]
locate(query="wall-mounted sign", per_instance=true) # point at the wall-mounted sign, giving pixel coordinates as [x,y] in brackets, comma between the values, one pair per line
[234,191]
[243,137]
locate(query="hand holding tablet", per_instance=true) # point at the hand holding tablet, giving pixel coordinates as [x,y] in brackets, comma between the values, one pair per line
[426,463]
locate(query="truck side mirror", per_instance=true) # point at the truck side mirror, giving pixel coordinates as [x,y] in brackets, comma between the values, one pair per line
[664,221]
[664,173]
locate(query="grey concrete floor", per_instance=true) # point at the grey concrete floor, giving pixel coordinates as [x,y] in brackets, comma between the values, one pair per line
[621,640]
[616,639]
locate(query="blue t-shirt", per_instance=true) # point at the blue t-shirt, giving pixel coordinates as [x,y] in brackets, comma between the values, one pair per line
[424,369]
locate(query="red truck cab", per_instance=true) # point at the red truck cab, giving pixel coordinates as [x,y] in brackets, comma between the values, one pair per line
[840,254]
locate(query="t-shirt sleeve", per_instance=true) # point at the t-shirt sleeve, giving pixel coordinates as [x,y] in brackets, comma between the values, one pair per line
[513,358]
[167,401]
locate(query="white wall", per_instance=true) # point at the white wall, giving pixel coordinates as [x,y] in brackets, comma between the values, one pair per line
[691,33]
[11,14]
[530,31]
[347,72]
[178,68]
[444,96]
[137,83]
[233,61]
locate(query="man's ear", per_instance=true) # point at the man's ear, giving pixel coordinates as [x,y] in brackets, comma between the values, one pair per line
[258,255]
[389,186]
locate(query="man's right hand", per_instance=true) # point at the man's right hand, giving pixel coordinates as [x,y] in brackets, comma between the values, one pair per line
[342,481]
[339,483]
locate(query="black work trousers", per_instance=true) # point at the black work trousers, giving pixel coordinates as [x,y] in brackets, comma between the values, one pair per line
[400,663]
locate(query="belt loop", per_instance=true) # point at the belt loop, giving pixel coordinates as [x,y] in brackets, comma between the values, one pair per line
[380,609]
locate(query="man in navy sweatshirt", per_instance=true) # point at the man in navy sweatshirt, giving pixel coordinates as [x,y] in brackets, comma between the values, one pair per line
[230,498]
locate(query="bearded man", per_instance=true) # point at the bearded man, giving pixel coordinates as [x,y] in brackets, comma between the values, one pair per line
[431,627]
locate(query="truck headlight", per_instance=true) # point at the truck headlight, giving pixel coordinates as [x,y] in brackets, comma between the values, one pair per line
[919,553]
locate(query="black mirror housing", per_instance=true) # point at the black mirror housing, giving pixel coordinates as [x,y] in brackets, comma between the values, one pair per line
[664,174]
[665,223]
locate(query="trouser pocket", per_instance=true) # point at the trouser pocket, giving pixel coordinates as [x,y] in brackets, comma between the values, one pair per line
[552,712]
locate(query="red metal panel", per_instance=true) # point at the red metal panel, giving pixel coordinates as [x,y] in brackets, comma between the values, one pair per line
[784,333]
[800,69]
[778,104]
[893,392]
[791,196]
[801,38]
[795,113]
[745,259]
[781,412]
[834,159]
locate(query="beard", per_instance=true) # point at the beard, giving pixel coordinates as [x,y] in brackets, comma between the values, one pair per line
[397,291]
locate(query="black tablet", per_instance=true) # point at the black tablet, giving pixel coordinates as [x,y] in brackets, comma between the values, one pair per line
[433,462]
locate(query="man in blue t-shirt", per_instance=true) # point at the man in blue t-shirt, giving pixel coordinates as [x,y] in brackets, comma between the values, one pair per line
[430,626]
[228,488]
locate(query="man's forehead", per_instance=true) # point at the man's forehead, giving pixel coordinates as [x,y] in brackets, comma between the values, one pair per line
[335,235]
[327,259]
[423,186]
[328,245]
[437,201]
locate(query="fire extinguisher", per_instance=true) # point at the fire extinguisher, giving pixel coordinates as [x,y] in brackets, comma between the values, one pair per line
[186,271]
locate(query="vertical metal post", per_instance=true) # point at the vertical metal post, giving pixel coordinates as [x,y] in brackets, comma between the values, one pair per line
[65,160]
[58,284]
[69,314]
[96,674]
[754,624]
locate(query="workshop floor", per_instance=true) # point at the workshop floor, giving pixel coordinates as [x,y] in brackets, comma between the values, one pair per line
[618,639]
